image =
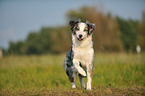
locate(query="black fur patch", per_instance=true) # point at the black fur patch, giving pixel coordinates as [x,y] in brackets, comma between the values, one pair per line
[73,25]
[69,59]
[69,65]
[69,72]
[91,28]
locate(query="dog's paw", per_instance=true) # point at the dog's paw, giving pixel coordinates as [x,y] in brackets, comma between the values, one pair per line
[73,85]
[83,86]
[88,89]
[82,72]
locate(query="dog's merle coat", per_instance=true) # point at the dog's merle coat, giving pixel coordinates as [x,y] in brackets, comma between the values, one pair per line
[68,65]
[81,57]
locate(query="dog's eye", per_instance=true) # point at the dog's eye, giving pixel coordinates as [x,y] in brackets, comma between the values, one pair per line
[85,29]
[77,28]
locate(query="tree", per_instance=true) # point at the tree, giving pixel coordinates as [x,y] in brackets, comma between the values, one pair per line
[141,33]
[16,48]
[111,34]
[128,34]
[106,35]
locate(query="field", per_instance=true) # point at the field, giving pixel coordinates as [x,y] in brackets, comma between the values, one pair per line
[114,74]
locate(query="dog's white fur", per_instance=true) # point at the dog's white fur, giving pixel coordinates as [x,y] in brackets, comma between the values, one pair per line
[83,54]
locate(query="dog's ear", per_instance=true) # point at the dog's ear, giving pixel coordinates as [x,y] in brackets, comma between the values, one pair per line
[91,27]
[73,24]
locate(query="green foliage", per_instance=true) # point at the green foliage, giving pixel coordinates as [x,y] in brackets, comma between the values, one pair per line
[111,35]
[141,33]
[16,47]
[128,31]
[106,36]
[47,40]
[38,43]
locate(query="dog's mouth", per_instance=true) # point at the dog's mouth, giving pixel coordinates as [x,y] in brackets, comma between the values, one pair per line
[80,39]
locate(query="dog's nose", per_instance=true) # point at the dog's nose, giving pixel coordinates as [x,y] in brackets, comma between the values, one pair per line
[80,36]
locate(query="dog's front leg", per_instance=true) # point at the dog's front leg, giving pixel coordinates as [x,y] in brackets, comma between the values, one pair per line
[81,81]
[89,76]
[77,66]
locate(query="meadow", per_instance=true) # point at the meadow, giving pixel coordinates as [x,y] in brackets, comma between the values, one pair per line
[114,74]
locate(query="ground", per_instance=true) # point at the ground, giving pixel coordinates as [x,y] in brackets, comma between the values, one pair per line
[114,74]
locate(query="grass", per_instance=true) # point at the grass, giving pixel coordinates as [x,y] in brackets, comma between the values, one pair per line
[116,73]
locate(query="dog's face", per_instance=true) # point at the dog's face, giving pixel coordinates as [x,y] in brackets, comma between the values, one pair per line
[81,30]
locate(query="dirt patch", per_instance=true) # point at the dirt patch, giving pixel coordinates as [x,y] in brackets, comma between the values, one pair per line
[139,91]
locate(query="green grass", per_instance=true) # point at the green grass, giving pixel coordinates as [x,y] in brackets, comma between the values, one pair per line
[45,74]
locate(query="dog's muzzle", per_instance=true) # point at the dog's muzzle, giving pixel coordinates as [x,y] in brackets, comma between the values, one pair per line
[80,37]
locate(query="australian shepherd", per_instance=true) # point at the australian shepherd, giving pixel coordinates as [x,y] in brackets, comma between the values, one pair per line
[81,57]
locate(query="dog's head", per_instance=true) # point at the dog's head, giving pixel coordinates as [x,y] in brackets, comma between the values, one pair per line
[81,30]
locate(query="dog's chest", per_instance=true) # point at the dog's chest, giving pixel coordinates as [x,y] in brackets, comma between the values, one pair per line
[83,54]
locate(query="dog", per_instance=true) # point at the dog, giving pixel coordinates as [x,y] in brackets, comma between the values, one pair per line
[81,57]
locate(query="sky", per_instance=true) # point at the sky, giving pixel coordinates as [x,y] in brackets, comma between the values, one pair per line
[20,17]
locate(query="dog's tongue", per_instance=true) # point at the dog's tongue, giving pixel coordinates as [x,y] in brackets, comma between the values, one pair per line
[79,38]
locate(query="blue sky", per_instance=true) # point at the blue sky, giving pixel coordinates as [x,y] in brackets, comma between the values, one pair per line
[19,17]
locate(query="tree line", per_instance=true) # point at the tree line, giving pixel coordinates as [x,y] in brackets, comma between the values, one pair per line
[112,34]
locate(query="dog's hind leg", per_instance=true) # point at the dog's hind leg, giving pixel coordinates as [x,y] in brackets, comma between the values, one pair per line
[74,77]
[73,85]
[81,81]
